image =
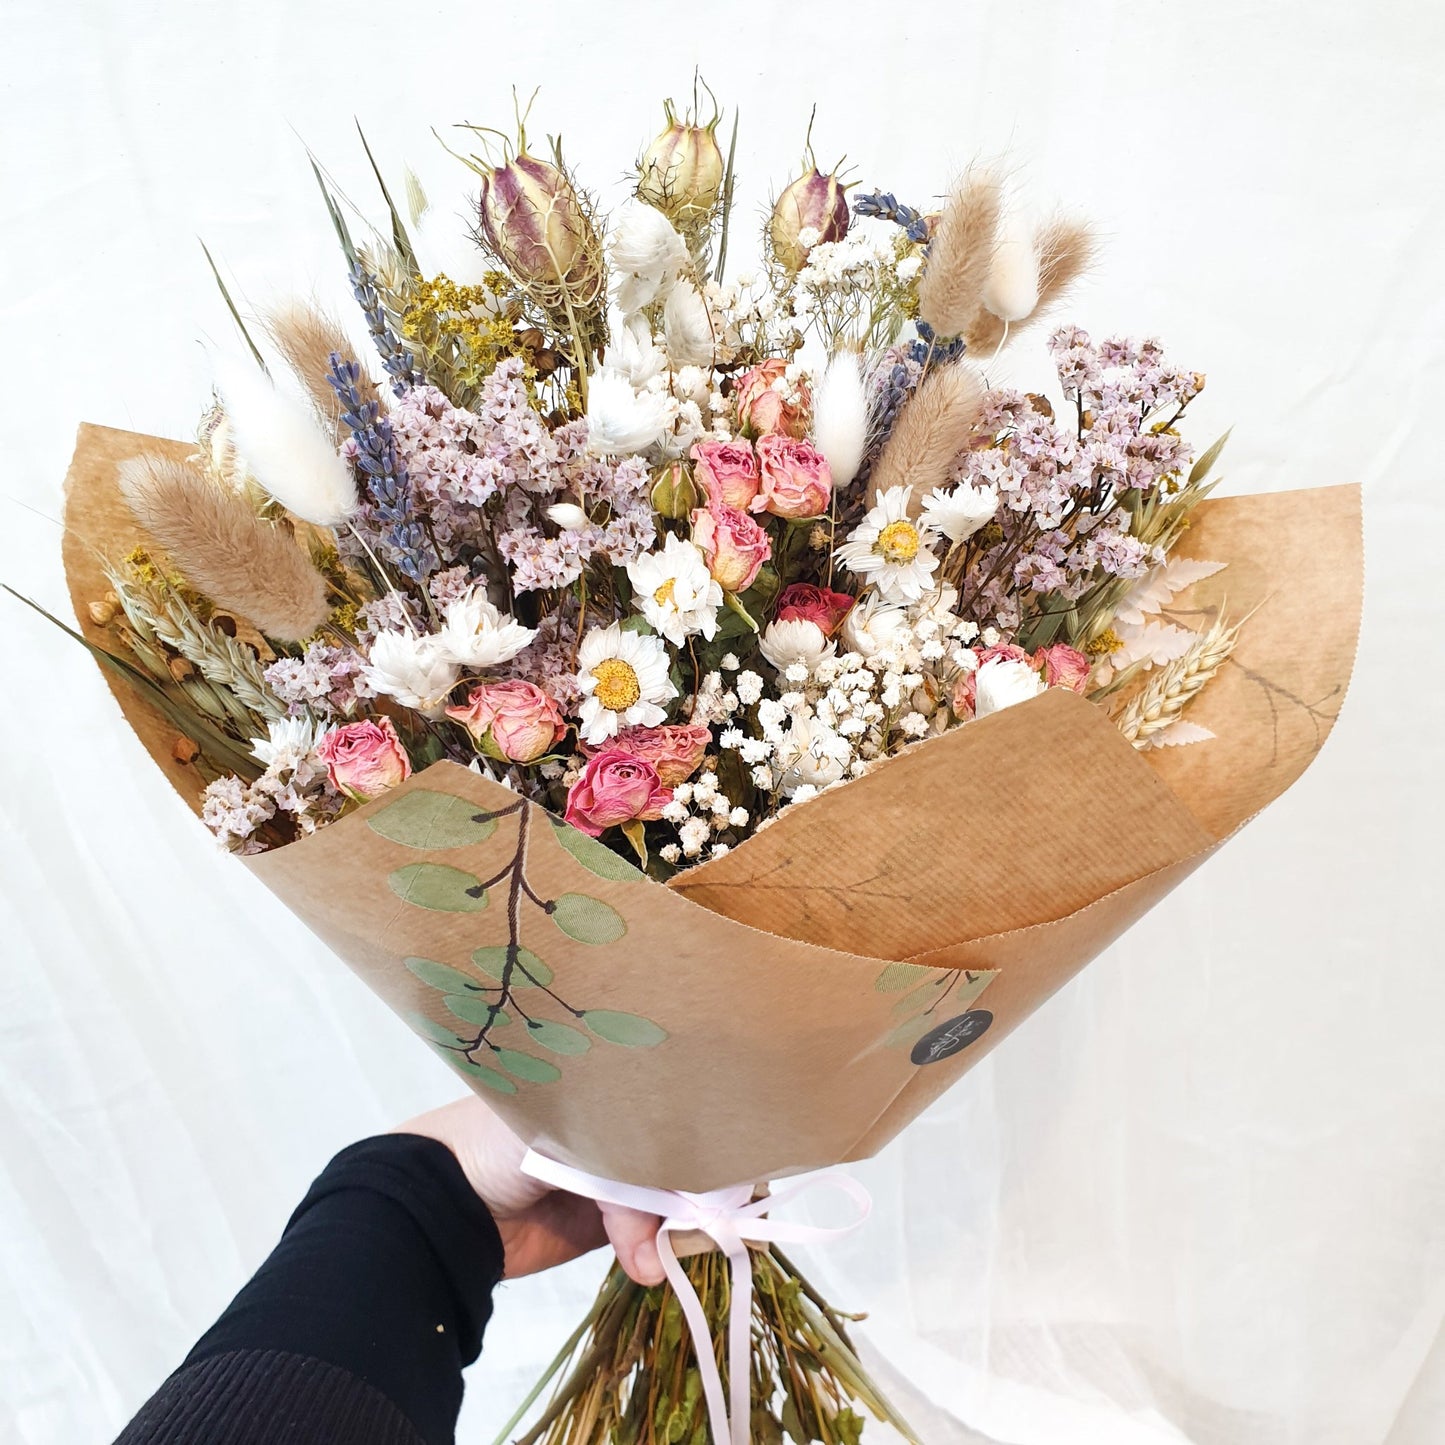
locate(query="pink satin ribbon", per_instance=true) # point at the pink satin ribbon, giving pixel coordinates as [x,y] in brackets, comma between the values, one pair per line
[733,1218]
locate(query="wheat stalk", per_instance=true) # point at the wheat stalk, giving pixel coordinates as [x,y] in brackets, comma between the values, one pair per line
[161,613]
[1160,701]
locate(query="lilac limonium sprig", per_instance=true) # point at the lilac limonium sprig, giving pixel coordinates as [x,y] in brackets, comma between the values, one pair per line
[389,506]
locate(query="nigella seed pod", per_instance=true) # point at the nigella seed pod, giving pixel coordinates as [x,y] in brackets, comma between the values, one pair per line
[532,219]
[681,171]
[811,210]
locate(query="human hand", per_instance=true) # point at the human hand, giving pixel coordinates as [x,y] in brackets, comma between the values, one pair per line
[540,1226]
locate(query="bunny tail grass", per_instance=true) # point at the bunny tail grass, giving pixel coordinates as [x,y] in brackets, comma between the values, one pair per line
[242,563]
[934,426]
[950,291]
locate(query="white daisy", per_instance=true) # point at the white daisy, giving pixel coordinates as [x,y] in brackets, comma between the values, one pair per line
[892,551]
[960,513]
[476,634]
[794,640]
[674,590]
[415,670]
[623,676]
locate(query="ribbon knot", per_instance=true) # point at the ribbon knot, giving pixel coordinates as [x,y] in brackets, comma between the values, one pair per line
[733,1219]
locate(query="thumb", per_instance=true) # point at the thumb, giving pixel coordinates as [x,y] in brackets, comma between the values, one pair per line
[634,1240]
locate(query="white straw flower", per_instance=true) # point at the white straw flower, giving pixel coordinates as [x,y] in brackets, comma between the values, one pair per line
[645,253]
[623,676]
[960,513]
[631,351]
[283,447]
[476,634]
[1000,683]
[810,756]
[621,421]
[890,550]
[674,590]
[794,640]
[840,417]
[689,335]
[416,671]
[872,625]
[569,516]
[291,742]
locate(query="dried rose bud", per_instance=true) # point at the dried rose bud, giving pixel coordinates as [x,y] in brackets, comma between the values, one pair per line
[681,171]
[812,209]
[674,493]
[533,221]
[185,750]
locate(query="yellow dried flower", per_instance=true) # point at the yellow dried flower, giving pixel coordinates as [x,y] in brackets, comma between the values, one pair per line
[1108,641]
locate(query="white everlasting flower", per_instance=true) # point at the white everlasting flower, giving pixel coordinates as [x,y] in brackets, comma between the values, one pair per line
[794,640]
[689,333]
[416,670]
[622,421]
[811,755]
[646,254]
[569,516]
[871,625]
[291,742]
[675,591]
[623,676]
[475,634]
[1000,683]
[960,513]
[892,552]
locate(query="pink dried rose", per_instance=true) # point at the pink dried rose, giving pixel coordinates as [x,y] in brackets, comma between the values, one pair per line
[513,721]
[733,545]
[728,472]
[803,602]
[797,481]
[1064,666]
[767,401]
[675,750]
[364,759]
[965,689]
[615,787]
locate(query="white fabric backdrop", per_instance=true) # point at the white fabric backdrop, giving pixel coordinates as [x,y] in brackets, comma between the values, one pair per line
[1200,1196]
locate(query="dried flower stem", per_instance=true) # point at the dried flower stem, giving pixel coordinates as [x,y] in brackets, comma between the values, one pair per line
[1161,700]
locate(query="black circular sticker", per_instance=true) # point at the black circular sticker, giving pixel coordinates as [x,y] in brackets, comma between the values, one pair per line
[952,1037]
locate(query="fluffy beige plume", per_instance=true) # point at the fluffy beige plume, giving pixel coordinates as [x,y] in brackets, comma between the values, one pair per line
[933,427]
[243,564]
[306,337]
[1065,249]
[961,253]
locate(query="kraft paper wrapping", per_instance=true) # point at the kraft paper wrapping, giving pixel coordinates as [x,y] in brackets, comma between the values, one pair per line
[798,1001]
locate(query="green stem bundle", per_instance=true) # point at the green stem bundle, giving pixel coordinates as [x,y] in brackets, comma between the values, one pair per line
[633,1377]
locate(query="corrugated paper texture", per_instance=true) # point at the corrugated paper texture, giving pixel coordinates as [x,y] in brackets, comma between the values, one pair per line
[798,1001]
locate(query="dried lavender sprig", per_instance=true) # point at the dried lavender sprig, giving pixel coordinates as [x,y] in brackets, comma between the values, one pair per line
[887,206]
[396,360]
[387,484]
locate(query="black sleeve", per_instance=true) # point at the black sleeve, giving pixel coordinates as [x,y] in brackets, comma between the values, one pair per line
[357,1326]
